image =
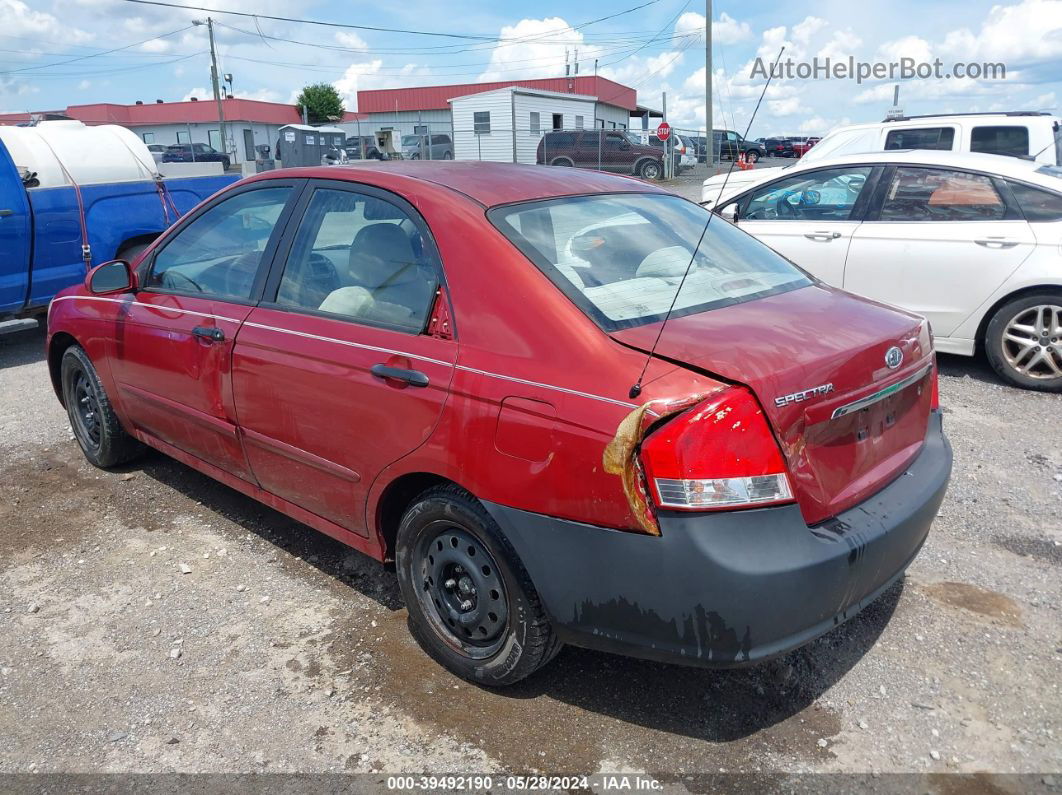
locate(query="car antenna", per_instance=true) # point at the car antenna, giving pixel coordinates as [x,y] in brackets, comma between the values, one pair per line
[636,389]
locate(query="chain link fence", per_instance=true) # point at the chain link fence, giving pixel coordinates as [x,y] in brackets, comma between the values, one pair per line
[634,152]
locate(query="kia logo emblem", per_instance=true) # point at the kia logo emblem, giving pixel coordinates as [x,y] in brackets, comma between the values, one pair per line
[893,357]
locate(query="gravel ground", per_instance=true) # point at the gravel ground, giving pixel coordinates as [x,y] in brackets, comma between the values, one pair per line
[153,620]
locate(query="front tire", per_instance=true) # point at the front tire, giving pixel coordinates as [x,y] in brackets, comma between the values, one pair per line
[1023,342]
[96,427]
[752,156]
[472,606]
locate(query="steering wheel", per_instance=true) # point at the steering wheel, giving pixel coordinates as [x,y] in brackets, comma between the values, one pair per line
[170,276]
[240,273]
[317,278]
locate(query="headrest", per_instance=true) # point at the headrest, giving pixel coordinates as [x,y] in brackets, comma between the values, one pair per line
[665,262]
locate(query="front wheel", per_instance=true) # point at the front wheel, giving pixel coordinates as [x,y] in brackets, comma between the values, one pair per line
[752,156]
[472,606]
[651,170]
[96,427]
[1023,342]
[448,155]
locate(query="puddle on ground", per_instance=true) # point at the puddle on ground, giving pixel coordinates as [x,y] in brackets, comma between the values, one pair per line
[989,604]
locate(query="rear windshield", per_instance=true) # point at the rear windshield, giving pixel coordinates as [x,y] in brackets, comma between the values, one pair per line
[621,257]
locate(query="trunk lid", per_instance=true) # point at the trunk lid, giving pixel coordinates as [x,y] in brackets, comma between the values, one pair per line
[816,360]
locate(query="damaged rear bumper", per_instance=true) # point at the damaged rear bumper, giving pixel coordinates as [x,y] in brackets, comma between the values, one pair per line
[724,589]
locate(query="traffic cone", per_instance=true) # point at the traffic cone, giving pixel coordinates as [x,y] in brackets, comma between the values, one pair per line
[741,161]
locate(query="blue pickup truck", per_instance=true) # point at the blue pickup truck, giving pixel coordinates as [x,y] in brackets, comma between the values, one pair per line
[45,228]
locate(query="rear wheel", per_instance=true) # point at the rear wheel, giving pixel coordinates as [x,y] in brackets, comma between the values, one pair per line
[562,161]
[752,156]
[1023,341]
[650,170]
[448,155]
[472,606]
[96,427]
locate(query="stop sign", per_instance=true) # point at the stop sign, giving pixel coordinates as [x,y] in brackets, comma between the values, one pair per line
[663,131]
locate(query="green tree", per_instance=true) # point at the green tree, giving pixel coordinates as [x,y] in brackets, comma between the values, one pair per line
[322,103]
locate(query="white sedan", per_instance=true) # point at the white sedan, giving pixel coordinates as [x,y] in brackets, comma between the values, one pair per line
[973,242]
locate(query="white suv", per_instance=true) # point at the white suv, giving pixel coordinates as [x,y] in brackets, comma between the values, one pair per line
[972,242]
[1026,134]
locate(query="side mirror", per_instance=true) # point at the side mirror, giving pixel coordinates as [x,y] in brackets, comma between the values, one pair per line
[111,277]
[730,213]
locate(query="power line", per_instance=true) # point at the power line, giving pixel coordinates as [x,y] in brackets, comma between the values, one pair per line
[95,54]
[348,26]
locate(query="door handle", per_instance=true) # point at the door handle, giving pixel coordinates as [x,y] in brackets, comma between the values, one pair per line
[209,333]
[6,213]
[996,242]
[823,236]
[411,377]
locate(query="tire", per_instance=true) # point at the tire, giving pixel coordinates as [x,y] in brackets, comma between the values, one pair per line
[472,606]
[650,169]
[562,161]
[448,155]
[752,156]
[1037,363]
[92,419]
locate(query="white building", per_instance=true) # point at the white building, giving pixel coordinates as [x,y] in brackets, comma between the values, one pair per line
[574,101]
[506,125]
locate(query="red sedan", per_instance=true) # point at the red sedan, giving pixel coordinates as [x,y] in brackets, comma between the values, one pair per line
[449,365]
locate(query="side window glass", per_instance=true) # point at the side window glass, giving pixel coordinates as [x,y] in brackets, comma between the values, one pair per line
[361,258]
[931,194]
[923,138]
[219,253]
[1036,204]
[1012,141]
[826,195]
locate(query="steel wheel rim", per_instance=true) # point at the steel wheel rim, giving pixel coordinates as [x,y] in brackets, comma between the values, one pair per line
[651,171]
[460,589]
[1032,342]
[86,410]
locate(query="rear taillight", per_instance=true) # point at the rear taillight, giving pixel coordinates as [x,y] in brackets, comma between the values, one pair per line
[934,385]
[720,454]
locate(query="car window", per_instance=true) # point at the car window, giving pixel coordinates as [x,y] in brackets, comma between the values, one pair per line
[1037,204]
[218,253]
[621,258]
[1003,140]
[921,138]
[361,258]
[937,194]
[825,195]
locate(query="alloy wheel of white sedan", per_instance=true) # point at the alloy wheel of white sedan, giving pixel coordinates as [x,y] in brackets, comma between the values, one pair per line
[1024,342]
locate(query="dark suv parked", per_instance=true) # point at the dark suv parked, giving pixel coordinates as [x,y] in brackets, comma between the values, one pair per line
[611,150]
[730,144]
[779,147]
[195,153]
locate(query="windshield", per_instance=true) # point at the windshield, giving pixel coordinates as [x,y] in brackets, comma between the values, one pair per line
[412,140]
[621,257]
[843,142]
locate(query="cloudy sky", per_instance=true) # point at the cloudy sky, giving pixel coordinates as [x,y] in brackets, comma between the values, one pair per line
[59,52]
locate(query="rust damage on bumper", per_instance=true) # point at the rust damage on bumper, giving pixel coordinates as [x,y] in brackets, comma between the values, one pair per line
[621,453]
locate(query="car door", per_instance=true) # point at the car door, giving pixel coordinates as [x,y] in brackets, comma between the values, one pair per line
[810,217]
[173,347]
[339,371]
[937,242]
[14,237]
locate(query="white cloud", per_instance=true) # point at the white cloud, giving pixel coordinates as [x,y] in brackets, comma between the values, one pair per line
[536,48]
[351,40]
[725,30]
[21,20]
[1021,32]
[790,106]
[202,94]
[369,75]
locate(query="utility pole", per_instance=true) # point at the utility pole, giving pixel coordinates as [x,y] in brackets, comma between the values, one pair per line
[217,89]
[709,136]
